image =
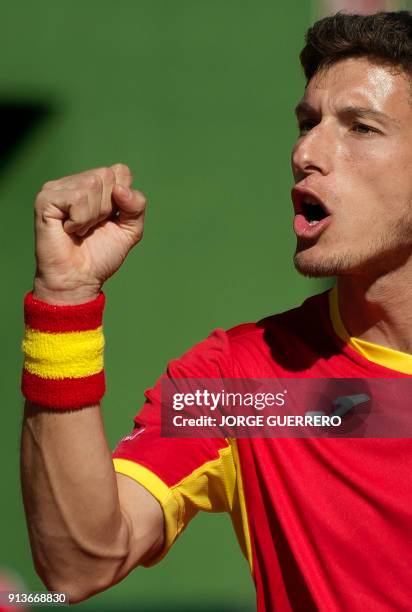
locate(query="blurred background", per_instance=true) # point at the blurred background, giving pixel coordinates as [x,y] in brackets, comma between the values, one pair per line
[197,97]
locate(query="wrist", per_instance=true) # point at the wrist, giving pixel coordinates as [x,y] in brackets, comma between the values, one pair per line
[63,348]
[63,297]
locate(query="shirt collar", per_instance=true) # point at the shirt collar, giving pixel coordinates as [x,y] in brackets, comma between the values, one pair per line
[382,355]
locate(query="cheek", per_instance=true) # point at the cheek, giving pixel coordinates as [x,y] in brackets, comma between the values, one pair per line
[376,177]
[380,158]
[393,187]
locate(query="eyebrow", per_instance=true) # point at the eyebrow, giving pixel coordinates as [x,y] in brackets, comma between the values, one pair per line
[354,111]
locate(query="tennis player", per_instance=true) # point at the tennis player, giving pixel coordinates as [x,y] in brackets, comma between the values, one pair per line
[325,524]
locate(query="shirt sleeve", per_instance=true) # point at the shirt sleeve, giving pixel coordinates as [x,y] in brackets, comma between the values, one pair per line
[185,475]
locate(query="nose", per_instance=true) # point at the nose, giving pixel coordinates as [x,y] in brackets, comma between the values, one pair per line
[312,152]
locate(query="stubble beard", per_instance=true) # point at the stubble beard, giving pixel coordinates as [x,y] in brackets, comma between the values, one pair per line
[321,267]
[382,255]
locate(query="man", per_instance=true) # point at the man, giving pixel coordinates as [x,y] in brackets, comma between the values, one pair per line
[324,523]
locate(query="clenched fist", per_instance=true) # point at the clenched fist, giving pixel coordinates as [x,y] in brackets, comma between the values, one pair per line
[85,225]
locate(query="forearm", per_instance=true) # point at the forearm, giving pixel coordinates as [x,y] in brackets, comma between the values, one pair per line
[87,527]
[76,526]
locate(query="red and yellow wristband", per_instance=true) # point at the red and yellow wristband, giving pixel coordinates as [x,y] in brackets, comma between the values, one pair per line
[63,353]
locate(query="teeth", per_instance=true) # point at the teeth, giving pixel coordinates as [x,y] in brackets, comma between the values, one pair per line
[313,222]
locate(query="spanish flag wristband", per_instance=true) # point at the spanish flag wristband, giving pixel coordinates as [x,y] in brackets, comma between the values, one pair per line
[63,353]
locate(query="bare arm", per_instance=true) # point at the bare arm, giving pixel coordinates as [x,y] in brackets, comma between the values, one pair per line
[88,526]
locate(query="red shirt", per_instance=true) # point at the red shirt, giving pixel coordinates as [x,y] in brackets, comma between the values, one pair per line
[326,523]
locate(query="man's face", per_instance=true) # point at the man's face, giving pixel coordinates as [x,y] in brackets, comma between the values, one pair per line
[353,157]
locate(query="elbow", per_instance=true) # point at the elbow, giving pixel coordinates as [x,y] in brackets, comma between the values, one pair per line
[75,586]
[58,584]
[81,570]
[74,590]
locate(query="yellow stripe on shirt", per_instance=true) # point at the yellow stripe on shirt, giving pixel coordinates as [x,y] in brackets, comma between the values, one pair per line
[211,487]
[161,492]
[239,512]
[382,355]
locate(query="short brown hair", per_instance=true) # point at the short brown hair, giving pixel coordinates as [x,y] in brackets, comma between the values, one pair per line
[384,37]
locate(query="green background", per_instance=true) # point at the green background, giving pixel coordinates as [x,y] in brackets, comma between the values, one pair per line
[196,96]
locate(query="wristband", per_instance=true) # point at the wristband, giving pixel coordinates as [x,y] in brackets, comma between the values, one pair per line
[63,353]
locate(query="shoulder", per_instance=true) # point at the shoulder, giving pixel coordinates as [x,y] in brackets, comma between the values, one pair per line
[313,312]
[253,344]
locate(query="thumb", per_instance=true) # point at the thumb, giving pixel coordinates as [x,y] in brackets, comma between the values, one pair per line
[122,178]
[130,204]
[131,207]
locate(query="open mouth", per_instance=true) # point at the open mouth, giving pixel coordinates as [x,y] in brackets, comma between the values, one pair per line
[313,212]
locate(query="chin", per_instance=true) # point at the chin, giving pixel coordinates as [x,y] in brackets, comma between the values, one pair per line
[317,265]
[321,263]
[313,269]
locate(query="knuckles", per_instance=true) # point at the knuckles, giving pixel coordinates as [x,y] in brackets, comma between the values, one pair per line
[121,169]
[48,185]
[94,182]
[78,186]
[93,179]
[78,196]
[107,175]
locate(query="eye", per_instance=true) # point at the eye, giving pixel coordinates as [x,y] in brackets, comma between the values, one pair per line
[362,128]
[305,125]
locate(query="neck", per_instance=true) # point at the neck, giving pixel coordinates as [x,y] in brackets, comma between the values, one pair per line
[378,309]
